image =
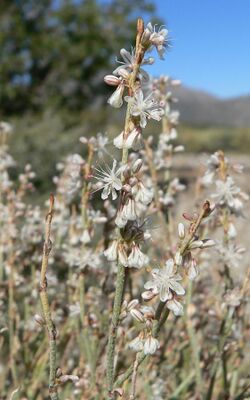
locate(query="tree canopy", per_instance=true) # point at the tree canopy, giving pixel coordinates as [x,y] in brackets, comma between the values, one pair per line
[55,52]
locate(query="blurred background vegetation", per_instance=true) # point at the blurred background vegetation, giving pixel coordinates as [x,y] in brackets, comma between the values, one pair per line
[54,54]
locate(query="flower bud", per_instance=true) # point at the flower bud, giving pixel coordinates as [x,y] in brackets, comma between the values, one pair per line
[178,258]
[127,188]
[137,165]
[151,345]
[207,243]
[132,304]
[196,244]
[127,172]
[192,270]
[181,230]
[148,295]
[133,181]
[58,372]
[83,140]
[123,73]
[136,314]
[112,80]
[39,320]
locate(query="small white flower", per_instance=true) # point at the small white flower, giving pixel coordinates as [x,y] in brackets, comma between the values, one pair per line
[232,232]
[112,251]
[227,193]
[120,220]
[100,142]
[192,270]
[181,230]
[110,179]
[128,63]
[85,238]
[231,254]
[122,256]
[142,194]
[127,143]
[157,39]
[39,320]
[129,210]
[175,306]
[136,344]
[144,108]
[208,178]
[134,139]
[151,344]
[116,99]
[136,258]
[173,117]
[164,281]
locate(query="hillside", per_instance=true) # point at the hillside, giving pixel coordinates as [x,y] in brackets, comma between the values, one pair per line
[201,108]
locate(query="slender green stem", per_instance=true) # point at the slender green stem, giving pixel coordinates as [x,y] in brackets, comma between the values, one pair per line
[134,378]
[46,307]
[189,379]
[114,325]
[193,342]
[234,383]
[225,329]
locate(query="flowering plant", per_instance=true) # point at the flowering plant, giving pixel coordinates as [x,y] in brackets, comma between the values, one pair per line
[137,303]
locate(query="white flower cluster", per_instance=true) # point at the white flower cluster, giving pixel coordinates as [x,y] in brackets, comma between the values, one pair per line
[70,181]
[227,193]
[145,341]
[141,107]
[135,197]
[166,147]
[229,200]
[165,282]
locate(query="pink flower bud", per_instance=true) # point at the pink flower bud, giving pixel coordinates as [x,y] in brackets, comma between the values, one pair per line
[136,314]
[137,165]
[112,80]
[148,295]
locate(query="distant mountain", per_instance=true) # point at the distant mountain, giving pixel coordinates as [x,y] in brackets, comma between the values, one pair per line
[201,108]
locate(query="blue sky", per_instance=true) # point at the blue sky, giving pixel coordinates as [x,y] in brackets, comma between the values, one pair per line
[210,44]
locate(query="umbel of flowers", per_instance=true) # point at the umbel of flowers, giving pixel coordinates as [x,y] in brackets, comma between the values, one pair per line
[124,183]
